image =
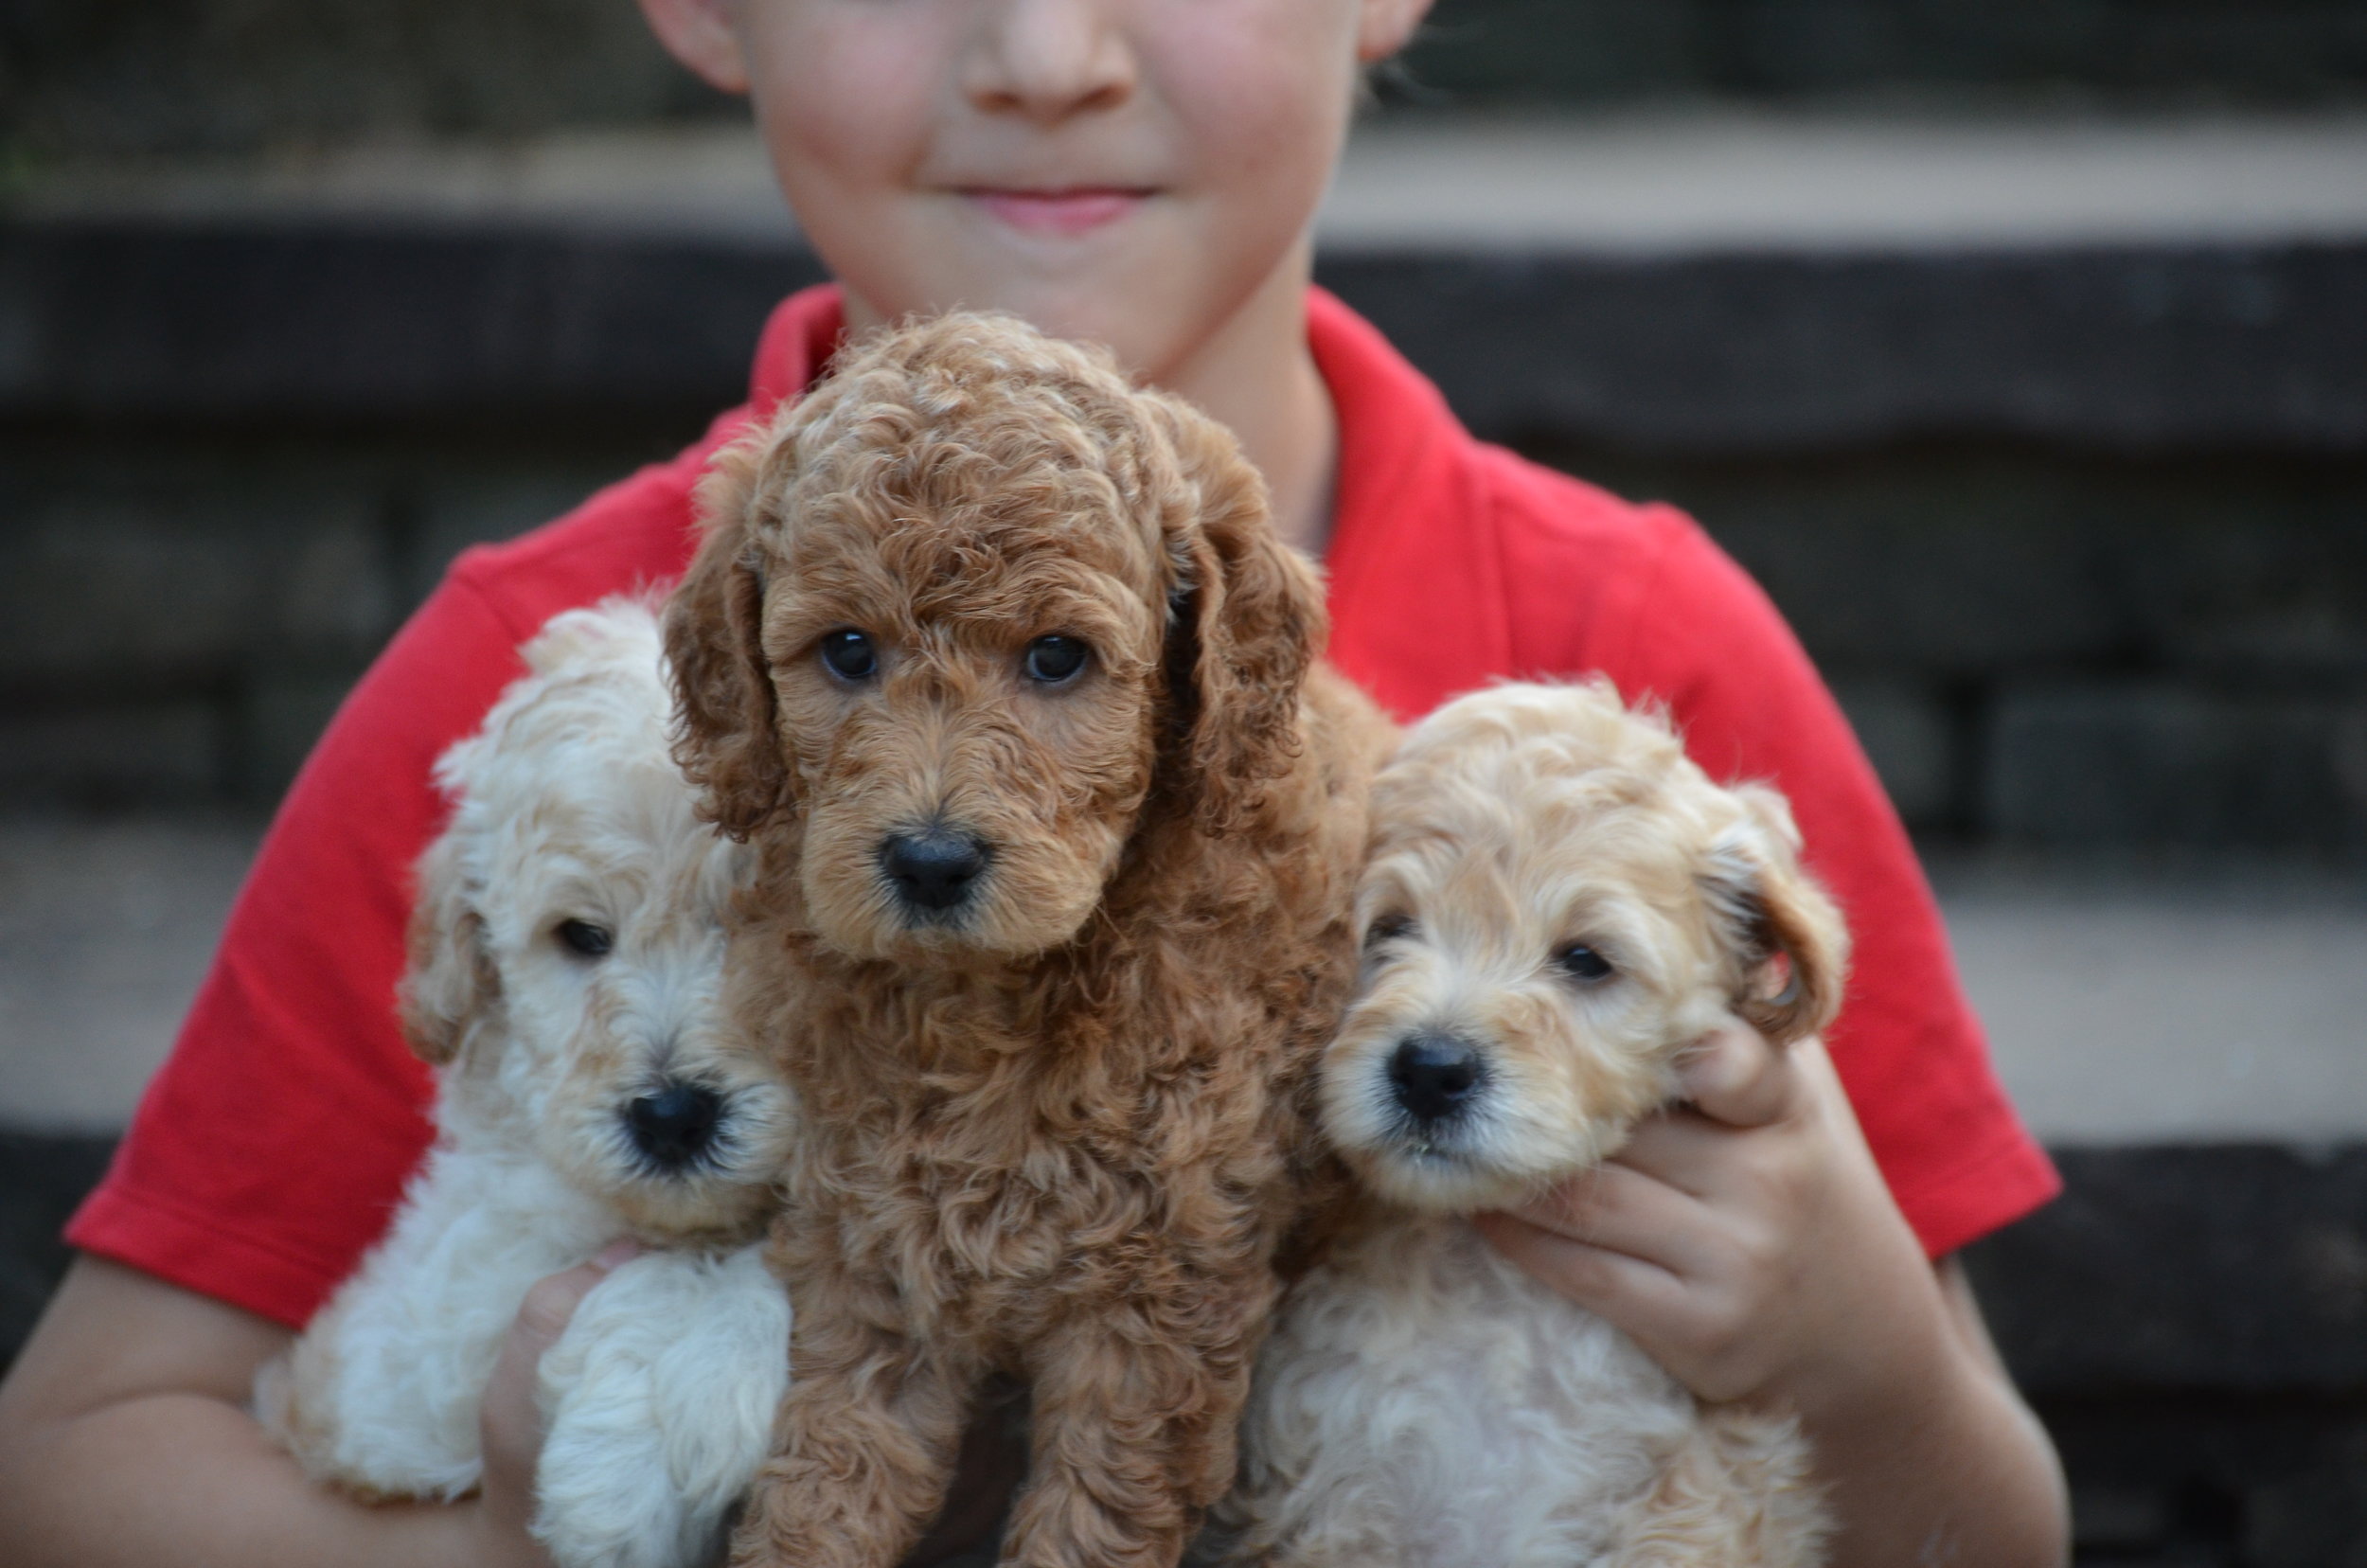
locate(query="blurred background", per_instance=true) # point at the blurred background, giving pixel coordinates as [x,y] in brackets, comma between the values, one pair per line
[2019,348]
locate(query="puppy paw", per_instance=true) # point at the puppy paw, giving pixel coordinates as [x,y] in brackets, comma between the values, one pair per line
[660,1399]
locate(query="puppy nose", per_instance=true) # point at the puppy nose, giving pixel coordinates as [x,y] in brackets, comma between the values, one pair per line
[675,1125]
[934,869]
[1435,1074]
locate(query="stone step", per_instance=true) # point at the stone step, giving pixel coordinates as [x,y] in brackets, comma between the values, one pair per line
[106,929]
[2128,1005]
[1665,180]
[2196,1005]
[1679,181]
[1708,283]
[325,326]
[249,74]
[2046,434]
[1581,51]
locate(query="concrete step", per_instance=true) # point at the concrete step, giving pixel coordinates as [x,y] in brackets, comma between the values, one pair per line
[2193,1003]
[1658,181]
[2126,1004]
[1735,180]
[105,932]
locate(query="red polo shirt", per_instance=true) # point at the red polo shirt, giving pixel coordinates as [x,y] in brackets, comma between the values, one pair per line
[272,1146]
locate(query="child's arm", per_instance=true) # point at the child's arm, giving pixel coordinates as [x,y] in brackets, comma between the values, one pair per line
[1750,1246]
[125,1439]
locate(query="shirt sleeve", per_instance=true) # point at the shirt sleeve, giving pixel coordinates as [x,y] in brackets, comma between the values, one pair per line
[272,1146]
[1691,630]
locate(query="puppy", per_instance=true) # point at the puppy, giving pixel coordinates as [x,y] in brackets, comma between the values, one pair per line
[1557,905]
[566,971]
[997,661]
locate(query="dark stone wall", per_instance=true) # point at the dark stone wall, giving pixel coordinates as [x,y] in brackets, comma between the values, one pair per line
[1489,52]
[42,1179]
[2191,1323]
[2046,646]
[115,77]
[2079,537]
[180,612]
[81,77]
[2145,349]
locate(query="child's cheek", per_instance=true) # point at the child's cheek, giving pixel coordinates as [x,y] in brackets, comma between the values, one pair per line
[843,92]
[1259,86]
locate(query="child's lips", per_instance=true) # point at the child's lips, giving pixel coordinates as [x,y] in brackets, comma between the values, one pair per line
[1070,211]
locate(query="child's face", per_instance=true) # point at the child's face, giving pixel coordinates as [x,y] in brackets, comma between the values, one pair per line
[1132,171]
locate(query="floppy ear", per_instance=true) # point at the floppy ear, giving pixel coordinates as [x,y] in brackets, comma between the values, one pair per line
[1246,622]
[725,737]
[1768,907]
[450,985]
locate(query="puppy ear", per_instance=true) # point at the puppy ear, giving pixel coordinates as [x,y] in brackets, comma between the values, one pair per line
[451,984]
[1246,622]
[725,737]
[1768,908]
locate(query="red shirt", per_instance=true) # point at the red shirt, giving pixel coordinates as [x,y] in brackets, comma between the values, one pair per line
[271,1149]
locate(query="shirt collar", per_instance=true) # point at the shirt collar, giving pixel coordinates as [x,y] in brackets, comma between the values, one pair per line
[1417,595]
[804,331]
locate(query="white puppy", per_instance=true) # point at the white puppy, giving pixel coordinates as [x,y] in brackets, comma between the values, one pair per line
[1558,904]
[566,967]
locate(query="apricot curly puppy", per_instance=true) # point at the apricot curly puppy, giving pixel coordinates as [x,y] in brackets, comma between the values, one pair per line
[1559,903]
[998,662]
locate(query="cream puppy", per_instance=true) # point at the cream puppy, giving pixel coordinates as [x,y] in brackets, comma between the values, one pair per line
[1557,904]
[566,964]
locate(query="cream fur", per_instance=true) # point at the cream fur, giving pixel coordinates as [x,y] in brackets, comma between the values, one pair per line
[660,1393]
[1422,1404]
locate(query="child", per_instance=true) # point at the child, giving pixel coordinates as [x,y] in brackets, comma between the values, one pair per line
[1140,171]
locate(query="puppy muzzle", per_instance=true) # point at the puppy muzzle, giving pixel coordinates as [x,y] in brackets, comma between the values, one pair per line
[1435,1077]
[678,1126]
[935,872]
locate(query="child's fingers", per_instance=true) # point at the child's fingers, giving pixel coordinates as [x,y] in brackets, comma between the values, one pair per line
[1625,1290]
[1623,1210]
[1679,1149]
[1733,1076]
[552,1302]
[509,1422]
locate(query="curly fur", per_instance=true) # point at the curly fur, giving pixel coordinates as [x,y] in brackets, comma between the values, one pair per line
[1058,1131]
[1423,1403]
[659,1396]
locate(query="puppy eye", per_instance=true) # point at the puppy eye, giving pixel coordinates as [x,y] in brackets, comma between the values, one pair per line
[1582,963]
[1053,660]
[584,937]
[1388,929]
[849,654]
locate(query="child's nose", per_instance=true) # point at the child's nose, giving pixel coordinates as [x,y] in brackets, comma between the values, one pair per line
[1048,58]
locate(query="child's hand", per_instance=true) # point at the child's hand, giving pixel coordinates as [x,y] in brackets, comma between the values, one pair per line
[509,1422]
[1747,1241]
[509,1425]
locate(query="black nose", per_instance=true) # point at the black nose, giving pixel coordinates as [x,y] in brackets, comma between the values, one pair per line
[933,869]
[1435,1074]
[675,1125]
